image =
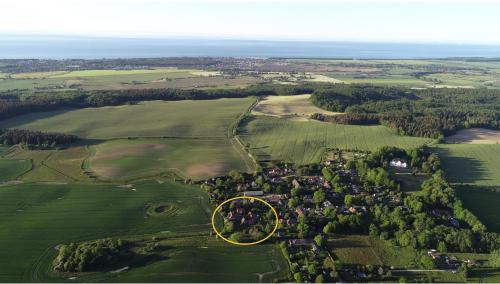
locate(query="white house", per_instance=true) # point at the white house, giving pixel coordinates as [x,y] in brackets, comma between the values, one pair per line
[398,163]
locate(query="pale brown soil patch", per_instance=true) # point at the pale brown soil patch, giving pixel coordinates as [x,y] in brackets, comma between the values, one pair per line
[475,136]
[207,169]
[298,105]
[126,150]
[107,171]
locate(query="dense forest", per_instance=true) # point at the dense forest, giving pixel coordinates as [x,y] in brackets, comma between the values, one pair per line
[427,112]
[34,138]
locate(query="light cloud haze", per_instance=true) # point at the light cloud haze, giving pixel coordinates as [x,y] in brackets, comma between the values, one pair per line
[394,21]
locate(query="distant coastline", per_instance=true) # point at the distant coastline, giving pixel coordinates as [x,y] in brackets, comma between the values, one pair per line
[66,47]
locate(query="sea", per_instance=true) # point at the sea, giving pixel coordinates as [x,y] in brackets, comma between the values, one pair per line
[72,47]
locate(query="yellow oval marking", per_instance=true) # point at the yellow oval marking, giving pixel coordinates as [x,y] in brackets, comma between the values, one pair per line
[238,243]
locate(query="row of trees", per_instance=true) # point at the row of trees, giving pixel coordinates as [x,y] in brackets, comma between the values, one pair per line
[35,138]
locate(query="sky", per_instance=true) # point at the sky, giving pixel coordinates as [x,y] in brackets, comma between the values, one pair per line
[436,21]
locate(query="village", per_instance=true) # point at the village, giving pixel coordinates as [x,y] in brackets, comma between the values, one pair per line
[316,201]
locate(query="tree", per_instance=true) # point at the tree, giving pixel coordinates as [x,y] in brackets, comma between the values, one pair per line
[327,174]
[298,277]
[319,196]
[494,260]
[427,262]
[296,192]
[319,279]
[348,200]
[318,239]
[373,230]
[442,246]
[228,227]
[303,229]
[311,268]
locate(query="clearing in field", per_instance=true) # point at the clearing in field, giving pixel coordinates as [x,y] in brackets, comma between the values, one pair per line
[189,158]
[304,142]
[299,105]
[471,164]
[475,136]
[202,118]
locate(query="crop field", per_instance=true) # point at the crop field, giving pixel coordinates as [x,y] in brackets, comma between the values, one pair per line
[208,118]
[484,204]
[475,136]
[471,164]
[299,105]
[304,142]
[63,165]
[44,216]
[207,263]
[193,158]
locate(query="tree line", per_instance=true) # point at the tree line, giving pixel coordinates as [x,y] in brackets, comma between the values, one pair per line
[35,138]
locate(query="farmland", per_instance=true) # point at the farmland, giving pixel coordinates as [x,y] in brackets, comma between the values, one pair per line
[95,211]
[67,213]
[209,118]
[471,164]
[193,158]
[298,105]
[304,142]
[121,79]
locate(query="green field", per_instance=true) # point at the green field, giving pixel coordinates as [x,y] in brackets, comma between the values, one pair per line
[193,158]
[484,204]
[37,217]
[222,264]
[304,142]
[471,163]
[207,118]
[11,169]
[46,215]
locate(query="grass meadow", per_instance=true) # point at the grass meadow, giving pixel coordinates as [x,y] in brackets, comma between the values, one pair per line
[472,164]
[484,204]
[304,142]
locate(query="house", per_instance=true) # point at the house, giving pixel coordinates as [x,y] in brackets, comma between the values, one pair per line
[398,163]
[326,185]
[300,242]
[328,204]
[299,212]
[295,183]
[253,193]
